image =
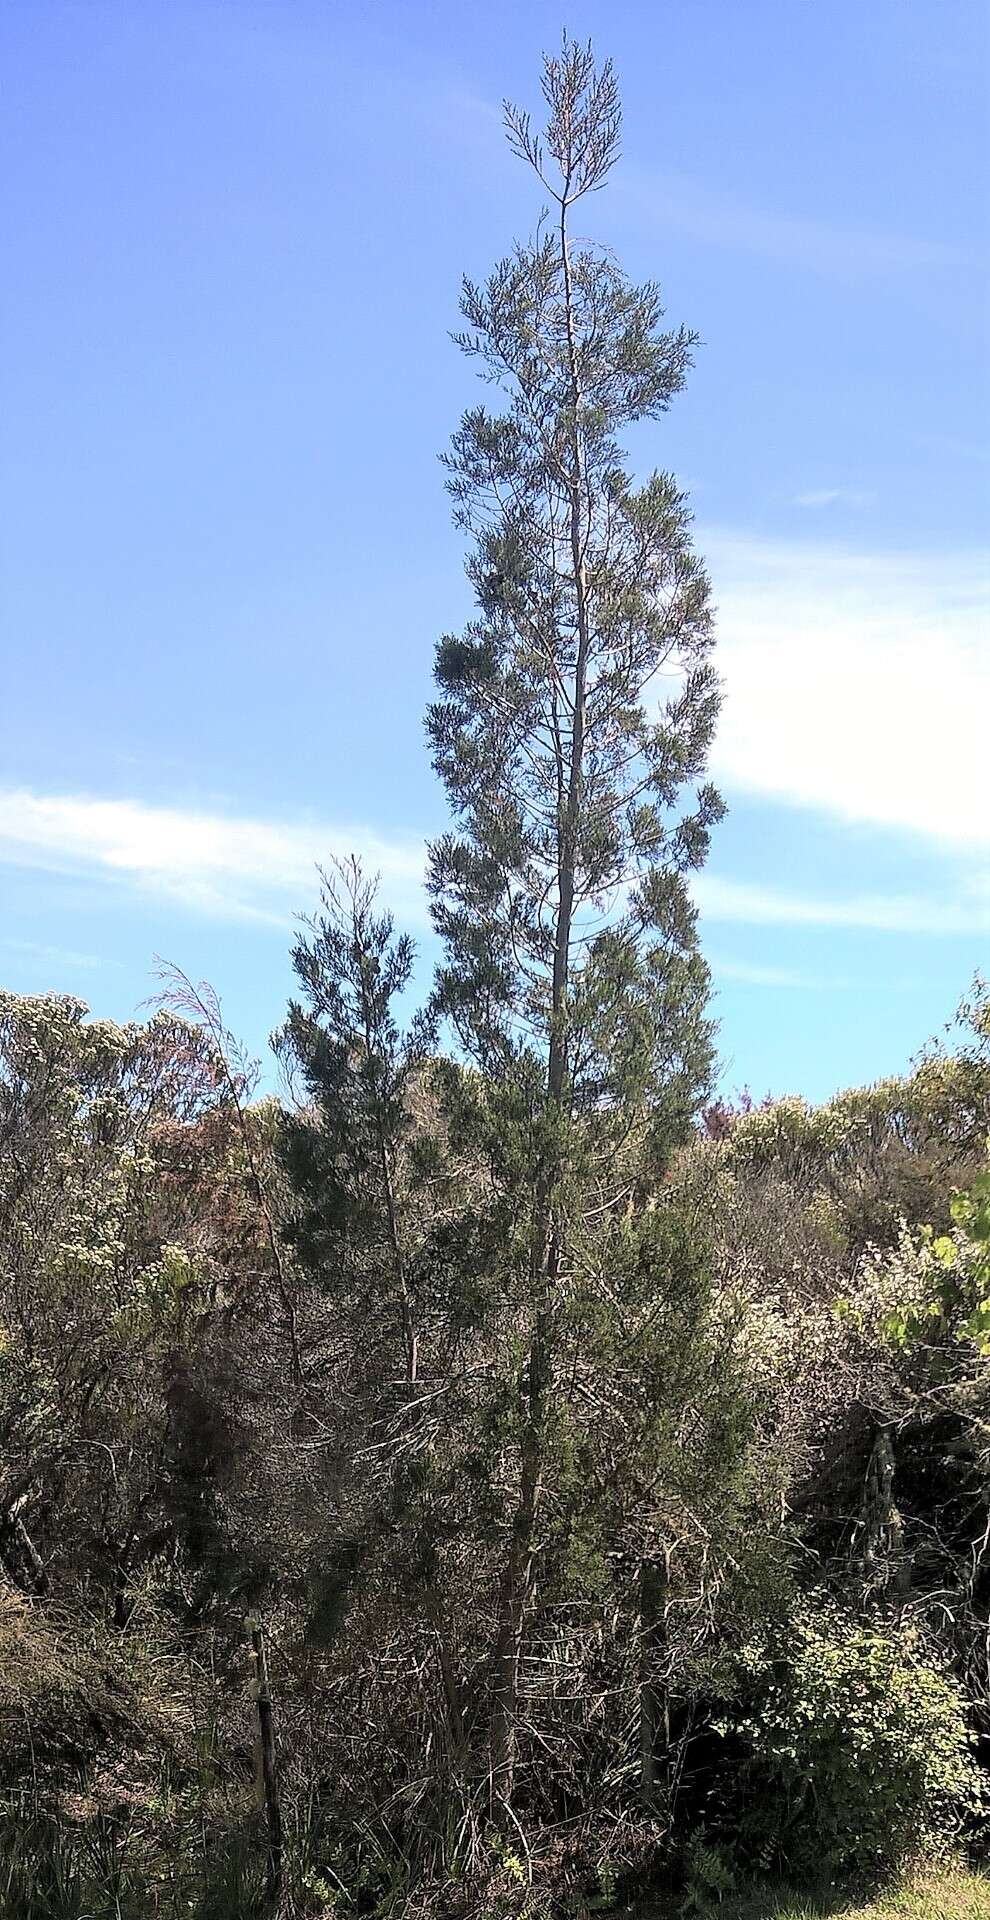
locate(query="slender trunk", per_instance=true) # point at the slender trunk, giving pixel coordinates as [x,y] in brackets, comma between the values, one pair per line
[274,1248]
[568,831]
[209,1014]
[652,1591]
[517,1580]
[516,1592]
[410,1340]
[268,1767]
[453,1692]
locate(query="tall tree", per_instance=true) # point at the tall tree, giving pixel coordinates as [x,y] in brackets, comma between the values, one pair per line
[571,732]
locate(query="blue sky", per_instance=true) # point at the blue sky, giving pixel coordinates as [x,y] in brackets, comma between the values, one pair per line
[233,238]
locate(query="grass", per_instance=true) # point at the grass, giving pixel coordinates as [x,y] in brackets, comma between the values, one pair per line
[947,1896]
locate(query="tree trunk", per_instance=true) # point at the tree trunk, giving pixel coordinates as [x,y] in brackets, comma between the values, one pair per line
[518,1578]
[517,1582]
[652,1590]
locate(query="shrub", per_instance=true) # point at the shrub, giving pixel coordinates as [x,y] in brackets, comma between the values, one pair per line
[858,1751]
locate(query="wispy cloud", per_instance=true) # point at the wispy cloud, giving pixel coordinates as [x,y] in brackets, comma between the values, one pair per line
[835,497]
[978,450]
[688,205]
[722,899]
[52,955]
[772,233]
[857,684]
[227,867]
[752,975]
[265,870]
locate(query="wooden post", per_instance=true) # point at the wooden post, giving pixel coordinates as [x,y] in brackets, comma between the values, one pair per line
[269,1770]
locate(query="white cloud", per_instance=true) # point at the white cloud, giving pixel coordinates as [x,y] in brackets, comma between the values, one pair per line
[834,497]
[266,869]
[964,912]
[232,868]
[856,684]
[751,975]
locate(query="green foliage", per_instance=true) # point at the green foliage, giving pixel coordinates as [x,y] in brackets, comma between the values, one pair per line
[100,1870]
[971,1213]
[559,895]
[858,1750]
[883,1155]
[710,1875]
[342,1046]
[953,1299]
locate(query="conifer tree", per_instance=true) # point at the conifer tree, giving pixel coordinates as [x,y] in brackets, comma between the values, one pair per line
[342,1150]
[571,733]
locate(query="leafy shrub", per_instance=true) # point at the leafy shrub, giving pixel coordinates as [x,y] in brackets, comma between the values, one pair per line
[858,1748]
[709,1876]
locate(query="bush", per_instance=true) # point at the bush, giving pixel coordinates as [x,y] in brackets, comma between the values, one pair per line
[858,1750]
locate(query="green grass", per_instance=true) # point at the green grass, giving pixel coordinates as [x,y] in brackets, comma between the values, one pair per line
[947,1896]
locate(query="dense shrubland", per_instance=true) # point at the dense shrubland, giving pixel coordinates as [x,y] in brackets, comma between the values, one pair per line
[604,1476]
[757,1633]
